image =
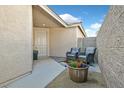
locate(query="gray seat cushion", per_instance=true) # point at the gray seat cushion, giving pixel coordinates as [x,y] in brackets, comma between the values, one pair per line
[70,55]
[74,50]
[82,56]
[90,50]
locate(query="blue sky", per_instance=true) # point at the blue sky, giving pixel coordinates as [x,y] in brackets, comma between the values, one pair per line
[91,16]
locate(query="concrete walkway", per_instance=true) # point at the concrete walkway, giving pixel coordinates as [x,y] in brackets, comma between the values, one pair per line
[44,72]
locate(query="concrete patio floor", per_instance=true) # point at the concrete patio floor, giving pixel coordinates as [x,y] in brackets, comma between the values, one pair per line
[44,72]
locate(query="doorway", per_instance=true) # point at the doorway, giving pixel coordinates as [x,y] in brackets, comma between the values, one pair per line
[41,41]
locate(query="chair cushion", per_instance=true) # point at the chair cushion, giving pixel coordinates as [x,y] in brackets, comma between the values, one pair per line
[82,56]
[74,50]
[90,50]
[70,55]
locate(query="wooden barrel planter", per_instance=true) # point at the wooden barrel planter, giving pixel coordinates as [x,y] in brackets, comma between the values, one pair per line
[78,74]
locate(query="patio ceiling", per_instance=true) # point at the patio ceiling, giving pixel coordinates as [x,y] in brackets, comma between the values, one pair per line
[43,19]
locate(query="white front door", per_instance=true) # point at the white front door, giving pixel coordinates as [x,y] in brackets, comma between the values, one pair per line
[41,42]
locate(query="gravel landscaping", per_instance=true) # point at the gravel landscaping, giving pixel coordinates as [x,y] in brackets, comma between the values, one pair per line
[95,80]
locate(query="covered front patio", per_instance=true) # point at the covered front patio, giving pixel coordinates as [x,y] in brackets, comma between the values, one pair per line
[51,35]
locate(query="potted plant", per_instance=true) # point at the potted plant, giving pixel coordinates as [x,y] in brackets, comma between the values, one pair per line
[78,71]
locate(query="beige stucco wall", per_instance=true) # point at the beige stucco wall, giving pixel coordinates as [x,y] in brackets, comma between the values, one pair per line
[15,41]
[110,44]
[61,40]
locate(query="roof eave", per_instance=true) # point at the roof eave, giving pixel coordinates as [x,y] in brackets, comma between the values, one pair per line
[60,20]
[53,14]
[80,26]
